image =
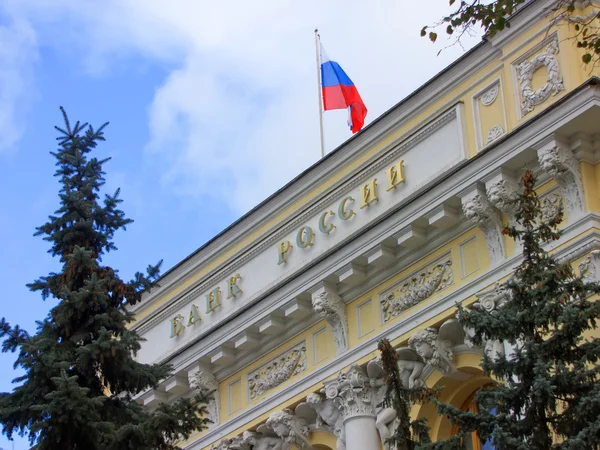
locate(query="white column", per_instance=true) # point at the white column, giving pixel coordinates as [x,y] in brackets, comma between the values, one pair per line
[353,395]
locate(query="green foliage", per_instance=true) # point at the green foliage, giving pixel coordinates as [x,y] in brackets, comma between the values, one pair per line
[547,391]
[80,372]
[493,16]
[407,435]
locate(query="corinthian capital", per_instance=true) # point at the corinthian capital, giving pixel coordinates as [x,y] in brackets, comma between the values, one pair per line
[352,393]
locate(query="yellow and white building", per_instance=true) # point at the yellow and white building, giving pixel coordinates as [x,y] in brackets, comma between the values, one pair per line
[280,314]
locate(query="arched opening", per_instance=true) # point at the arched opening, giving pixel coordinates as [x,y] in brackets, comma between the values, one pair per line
[323,440]
[472,440]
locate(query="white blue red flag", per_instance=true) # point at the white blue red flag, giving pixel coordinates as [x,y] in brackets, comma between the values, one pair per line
[339,92]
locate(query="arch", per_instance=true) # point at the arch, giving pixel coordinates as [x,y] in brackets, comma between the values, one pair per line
[455,391]
[323,440]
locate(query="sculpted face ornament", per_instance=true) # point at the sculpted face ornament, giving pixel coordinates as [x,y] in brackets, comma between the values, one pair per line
[434,351]
[289,428]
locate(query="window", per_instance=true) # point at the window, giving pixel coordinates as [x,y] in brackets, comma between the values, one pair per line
[473,441]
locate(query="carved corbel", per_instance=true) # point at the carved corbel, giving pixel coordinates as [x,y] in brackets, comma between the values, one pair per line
[589,268]
[330,306]
[503,192]
[480,211]
[560,163]
[204,382]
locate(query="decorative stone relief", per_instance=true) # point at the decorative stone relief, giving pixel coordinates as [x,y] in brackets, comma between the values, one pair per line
[433,350]
[550,206]
[327,416]
[416,288]
[495,132]
[386,416]
[486,216]
[260,441]
[589,268]
[236,443]
[330,306]
[554,82]
[205,383]
[490,301]
[352,393]
[560,163]
[504,195]
[489,96]
[278,370]
[289,428]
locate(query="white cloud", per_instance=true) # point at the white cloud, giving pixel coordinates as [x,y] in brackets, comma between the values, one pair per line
[17,57]
[237,118]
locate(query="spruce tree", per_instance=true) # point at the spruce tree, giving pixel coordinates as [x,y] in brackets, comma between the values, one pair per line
[80,373]
[407,435]
[546,392]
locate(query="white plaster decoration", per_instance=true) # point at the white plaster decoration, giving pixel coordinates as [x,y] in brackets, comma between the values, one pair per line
[550,206]
[495,132]
[411,367]
[328,416]
[386,416]
[554,82]
[277,370]
[290,428]
[504,193]
[435,351]
[489,95]
[416,288]
[560,163]
[491,301]
[235,443]
[352,393]
[589,268]
[261,441]
[330,306]
[478,209]
[205,383]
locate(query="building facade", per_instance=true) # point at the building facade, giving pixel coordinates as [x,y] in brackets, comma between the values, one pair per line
[279,316]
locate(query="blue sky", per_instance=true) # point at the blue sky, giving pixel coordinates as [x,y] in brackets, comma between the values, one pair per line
[212,107]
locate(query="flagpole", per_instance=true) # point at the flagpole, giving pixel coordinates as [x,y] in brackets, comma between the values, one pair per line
[319,92]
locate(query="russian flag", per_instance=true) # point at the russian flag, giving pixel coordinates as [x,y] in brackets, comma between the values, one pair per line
[339,92]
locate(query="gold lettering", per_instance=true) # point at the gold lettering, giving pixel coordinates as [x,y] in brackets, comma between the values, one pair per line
[233,290]
[194,316]
[345,215]
[283,249]
[177,325]
[213,300]
[326,228]
[303,232]
[369,193]
[395,175]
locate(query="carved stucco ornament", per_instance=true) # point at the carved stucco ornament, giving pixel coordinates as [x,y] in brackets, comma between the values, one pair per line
[416,288]
[277,371]
[290,428]
[263,441]
[504,195]
[330,306]
[323,412]
[589,268]
[480,211]
[434,350]
[495,132]
[386,419]
[489,95]
[550,206]
[205,383]
[560,163]
[554,82]
[352,393]
[490,301]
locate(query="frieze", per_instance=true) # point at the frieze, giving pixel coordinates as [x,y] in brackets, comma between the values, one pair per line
[403,147]
[277,371]
[415,288]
